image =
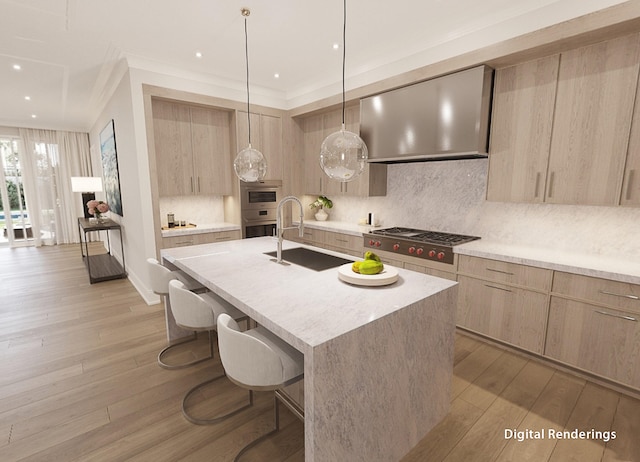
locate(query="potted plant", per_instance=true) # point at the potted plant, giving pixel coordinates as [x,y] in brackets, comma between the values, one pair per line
[321,203]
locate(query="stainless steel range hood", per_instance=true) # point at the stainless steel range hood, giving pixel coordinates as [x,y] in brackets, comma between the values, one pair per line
[439,119]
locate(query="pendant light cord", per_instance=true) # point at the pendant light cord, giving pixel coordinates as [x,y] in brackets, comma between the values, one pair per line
[246,54]
[344,53]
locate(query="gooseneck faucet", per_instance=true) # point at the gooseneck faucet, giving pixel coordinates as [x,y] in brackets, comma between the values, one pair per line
[279,227]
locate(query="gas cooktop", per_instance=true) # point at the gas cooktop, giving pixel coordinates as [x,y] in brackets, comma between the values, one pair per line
[420,235]
[419,243]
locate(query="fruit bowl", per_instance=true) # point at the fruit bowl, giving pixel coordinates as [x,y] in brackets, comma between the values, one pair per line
[387,276]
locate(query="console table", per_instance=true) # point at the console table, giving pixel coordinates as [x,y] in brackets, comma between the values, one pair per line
[101,267]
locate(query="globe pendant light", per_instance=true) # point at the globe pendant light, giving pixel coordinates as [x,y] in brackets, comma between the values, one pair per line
[250,165]
[343,154]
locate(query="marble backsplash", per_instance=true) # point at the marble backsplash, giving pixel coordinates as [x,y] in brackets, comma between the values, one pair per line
[450,196]
[199,210]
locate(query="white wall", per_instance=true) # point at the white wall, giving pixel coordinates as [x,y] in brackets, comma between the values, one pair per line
[134,184]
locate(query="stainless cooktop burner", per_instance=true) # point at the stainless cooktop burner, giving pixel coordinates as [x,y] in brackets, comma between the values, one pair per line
[435,237]
[428,245]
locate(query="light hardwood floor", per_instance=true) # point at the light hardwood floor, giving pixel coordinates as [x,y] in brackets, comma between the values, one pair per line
[79,382]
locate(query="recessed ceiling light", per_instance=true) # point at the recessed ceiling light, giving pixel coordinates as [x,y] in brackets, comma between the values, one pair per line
[336,46]
[17,67]
[276,76]
[33,116]
[198,54]
[28,98]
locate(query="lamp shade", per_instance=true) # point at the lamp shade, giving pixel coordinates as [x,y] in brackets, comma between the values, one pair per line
[343,156]
[86,183]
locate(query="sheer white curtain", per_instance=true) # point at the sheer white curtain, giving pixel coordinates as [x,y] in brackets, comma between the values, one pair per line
[50,159]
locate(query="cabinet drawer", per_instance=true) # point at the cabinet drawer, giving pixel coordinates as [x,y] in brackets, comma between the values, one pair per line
[178,241]
[344,241]
[621,295]
[200,238]
[431,271]
[600,340]
[505,272]
[312,236]
[513,315]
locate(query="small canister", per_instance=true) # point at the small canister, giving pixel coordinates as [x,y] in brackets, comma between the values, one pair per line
[171,220]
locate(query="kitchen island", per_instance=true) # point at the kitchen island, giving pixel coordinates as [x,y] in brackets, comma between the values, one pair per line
[378,360]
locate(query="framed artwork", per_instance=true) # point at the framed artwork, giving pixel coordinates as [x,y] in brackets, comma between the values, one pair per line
[111,178]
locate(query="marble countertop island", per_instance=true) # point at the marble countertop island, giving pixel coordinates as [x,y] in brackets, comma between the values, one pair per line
[378,360]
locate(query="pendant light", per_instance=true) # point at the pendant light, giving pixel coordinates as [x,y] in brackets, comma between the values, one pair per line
[343,154]
[250,165]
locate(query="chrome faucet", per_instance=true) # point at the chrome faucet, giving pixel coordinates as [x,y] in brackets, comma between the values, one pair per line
[280,229]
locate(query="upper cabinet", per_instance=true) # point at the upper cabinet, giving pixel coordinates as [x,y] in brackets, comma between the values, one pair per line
[266,137]
[561,127]
[521,139]
[192,146]
[373,182]
[631,181]
[594,106]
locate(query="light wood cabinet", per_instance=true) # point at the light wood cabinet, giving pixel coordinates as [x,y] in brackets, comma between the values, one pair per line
[200,238]
[592,122]
[505,272]
[211,151]
[522,120]
[266,137]
[506,313]
[345,243]
[314,178]
[504,301]
[561,127]
[630,195]
[192,148]
[373,182]
[594,324]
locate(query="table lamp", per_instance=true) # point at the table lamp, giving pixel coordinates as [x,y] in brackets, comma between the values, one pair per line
[87,185]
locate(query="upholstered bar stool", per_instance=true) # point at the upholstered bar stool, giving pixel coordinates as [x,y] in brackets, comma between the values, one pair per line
[199,312]
[160,277]
[259,361]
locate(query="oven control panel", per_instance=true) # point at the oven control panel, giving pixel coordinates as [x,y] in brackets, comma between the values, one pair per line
[424,250]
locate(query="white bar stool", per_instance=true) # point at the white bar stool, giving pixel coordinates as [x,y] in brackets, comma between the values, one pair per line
[160,276]
[199,312]
[259,360]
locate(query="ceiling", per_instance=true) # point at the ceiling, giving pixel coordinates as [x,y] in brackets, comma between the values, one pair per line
[67,49]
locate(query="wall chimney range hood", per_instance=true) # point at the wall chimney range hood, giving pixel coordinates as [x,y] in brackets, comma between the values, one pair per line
[444,118]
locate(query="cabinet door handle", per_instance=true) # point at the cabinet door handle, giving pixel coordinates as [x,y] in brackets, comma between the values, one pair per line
[629,182]
[192,184]
[496,287]
[342,240]
[620,316]
[629,296]
[198,184]
[537,187]
[550,189]
[500,271]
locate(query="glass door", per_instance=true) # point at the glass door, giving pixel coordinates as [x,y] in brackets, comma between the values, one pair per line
[15,226]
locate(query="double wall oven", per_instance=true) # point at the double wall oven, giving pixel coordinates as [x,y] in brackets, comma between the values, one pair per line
[258,203]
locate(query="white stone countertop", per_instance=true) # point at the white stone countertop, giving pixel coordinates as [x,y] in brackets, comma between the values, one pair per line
[304,307]
[200,229]
[614,268]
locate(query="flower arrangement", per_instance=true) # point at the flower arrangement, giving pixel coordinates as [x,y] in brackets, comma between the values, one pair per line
[320,202]
[97,208]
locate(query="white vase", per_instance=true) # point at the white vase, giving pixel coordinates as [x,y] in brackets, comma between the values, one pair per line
[321,215]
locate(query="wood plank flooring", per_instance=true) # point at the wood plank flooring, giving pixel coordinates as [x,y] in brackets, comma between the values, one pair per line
[79,382]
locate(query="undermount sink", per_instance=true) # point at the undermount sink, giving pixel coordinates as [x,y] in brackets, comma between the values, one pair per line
[311,259]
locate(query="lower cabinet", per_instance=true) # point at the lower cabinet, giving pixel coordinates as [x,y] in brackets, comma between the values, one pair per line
[509,314]
[594,325]
[201,238]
